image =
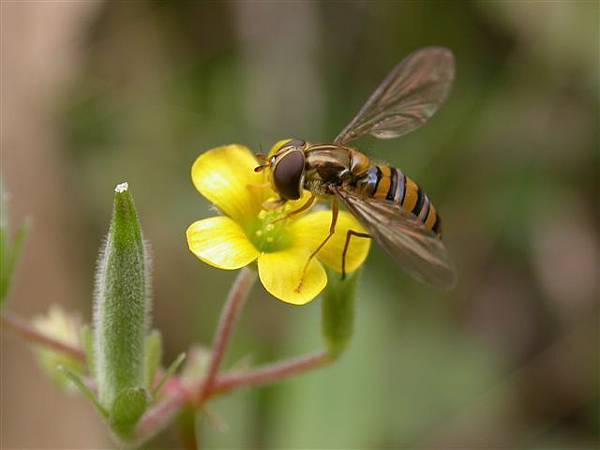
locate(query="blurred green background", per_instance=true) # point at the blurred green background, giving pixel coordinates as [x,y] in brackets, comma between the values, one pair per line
[96,93]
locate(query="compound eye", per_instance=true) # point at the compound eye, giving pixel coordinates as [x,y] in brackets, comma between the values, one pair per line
[287,175]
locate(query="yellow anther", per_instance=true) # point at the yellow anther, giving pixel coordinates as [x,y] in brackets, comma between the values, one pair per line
[270,227]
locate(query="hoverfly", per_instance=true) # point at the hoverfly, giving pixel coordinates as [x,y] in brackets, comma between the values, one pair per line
[390,205]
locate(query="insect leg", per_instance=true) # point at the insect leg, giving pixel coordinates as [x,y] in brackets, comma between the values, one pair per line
[307,205]
[273,203]
[349,235]
[334,216]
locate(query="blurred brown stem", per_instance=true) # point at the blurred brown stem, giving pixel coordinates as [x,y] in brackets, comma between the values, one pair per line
[31,334]
[238,294]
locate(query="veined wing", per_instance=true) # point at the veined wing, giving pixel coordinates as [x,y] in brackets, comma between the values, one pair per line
[407,98]
[418,250]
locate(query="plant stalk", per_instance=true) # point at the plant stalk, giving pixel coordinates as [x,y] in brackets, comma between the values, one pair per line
[229,315]
[34,336]
[159,416]
[270,373]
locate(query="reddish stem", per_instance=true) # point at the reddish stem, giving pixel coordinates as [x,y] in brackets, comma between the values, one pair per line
[156,418]
[231,309]
[31,334]
[177,395]
[270,373]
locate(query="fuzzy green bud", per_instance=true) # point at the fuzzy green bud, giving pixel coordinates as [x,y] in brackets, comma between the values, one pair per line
[121,309]
[337,310]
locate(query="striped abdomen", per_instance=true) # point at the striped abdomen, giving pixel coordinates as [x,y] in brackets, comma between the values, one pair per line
[391,184]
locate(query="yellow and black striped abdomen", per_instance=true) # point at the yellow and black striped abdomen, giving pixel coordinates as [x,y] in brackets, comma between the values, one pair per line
[389,183]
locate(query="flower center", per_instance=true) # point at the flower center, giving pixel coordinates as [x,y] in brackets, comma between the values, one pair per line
[268,232]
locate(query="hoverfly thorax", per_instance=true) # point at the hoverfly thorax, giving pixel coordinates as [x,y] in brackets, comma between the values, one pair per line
[287,168]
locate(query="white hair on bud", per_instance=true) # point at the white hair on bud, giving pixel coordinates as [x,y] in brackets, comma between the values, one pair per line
[122,187]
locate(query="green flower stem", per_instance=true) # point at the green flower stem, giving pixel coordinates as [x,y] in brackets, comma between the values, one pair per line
[271,373]
[337,312]
[237,296]
[32,335]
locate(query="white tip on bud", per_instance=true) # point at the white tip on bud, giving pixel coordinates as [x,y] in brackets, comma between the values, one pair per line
[122,187]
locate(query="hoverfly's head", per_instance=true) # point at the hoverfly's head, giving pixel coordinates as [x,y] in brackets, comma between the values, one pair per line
[286,161]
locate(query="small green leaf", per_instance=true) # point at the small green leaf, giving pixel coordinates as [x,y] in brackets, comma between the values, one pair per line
[4,258]
[153,356]
[9,256]
[337,309]
[168,373]
[127,409]
[86,391]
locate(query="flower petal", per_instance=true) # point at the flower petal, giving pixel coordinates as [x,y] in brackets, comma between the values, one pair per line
[313,228]
[220,242]
[280,273]
[225,176]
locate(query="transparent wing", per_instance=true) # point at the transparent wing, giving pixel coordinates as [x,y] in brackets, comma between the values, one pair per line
[407,98]
[418,250]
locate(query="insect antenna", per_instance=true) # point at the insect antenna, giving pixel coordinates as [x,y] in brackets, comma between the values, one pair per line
[262,159]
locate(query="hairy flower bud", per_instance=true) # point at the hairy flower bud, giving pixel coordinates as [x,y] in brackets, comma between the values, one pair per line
[122,304]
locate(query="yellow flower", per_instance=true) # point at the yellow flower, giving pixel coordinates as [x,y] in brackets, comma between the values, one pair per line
[247,232]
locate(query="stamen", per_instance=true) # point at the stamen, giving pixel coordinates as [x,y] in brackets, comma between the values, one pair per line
[270,231]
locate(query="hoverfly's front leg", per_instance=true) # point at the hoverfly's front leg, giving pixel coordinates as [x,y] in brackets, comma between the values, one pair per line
[307,205]
[334,217]
[273,203]
[349,235]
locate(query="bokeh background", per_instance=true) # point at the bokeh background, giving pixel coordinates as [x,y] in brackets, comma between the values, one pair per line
[98,92]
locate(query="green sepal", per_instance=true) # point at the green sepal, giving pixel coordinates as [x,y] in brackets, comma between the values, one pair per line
[86,391]
[122,303]
[196,364]
[243,364]
[337,309]
[126,411]
[153,356]
[168,373]
[86,336]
